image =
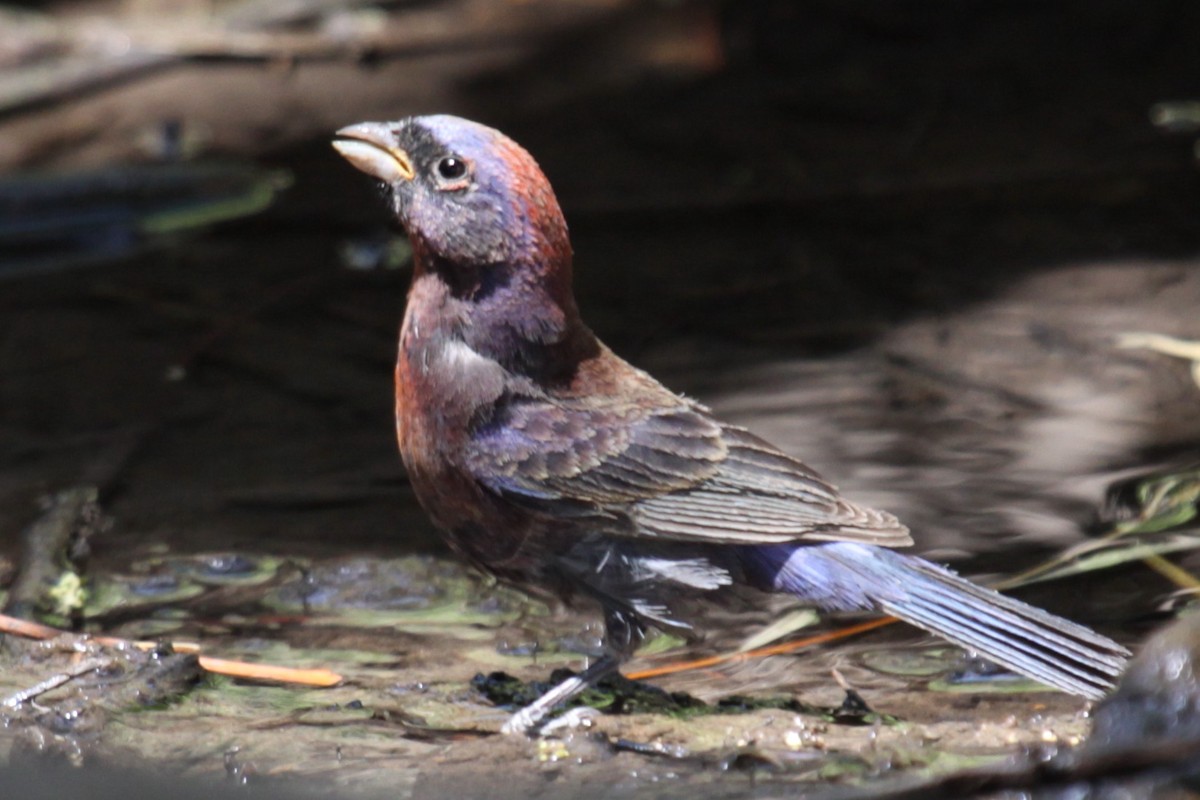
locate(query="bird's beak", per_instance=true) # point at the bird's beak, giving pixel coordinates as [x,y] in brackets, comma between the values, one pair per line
[371,146]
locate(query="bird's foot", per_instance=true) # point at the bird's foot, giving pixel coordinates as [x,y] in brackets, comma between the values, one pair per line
[523,723]
[569,720]
[526,723]
[528,720]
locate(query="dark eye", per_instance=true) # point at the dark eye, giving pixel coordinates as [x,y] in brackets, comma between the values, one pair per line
[451,168]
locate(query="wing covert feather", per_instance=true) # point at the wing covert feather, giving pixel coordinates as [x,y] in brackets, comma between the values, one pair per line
[606,455]
[676,473]
[762,495]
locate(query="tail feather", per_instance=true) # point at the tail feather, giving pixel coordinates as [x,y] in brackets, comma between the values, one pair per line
[1028,640]
[1042,649]
[1001,651]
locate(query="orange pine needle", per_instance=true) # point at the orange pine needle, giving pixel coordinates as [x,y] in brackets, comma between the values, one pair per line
[759,652]
[269,672]
[27,629]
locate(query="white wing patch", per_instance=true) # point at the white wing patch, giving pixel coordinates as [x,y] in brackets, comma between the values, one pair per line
[695,572]
[459,357]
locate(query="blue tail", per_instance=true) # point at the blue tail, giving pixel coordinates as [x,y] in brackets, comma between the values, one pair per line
[845,576]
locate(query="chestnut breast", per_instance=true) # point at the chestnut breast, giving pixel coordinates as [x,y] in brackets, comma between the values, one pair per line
[441,385]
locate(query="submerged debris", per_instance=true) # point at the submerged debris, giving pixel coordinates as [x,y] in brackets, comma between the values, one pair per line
[619,695]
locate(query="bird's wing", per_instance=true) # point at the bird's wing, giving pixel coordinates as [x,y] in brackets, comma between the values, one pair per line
[676,472]
[762,494]
[608,454]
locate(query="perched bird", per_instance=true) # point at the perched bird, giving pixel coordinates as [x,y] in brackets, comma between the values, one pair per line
[549,461]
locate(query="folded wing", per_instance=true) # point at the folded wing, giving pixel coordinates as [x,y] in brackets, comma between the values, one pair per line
[677,473]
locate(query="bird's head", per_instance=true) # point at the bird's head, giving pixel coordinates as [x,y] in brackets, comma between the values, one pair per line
[468,196]
[486,230]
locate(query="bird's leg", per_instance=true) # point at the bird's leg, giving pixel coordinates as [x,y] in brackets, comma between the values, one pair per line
[622,634]
[529,719]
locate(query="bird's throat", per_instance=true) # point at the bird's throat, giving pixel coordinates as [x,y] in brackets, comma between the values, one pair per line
[507,312]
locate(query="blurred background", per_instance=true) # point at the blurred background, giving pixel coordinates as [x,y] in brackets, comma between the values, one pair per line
[901,239]
[932,248]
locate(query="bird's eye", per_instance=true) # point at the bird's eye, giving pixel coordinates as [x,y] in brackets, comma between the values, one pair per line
[451,168]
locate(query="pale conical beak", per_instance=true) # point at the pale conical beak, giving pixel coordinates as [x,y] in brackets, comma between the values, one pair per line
[371,146]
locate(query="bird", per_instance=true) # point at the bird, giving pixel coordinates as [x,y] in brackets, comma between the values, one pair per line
[553,464]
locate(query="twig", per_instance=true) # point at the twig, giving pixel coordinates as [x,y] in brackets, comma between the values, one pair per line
[775,649]
[46,544]
[53,682]
[219,666]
